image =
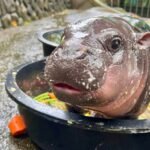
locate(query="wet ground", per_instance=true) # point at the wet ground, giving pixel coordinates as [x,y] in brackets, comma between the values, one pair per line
[19,45]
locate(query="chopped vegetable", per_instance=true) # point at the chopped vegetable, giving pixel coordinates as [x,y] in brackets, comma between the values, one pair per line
[51,95]
[42,97]
[50,99]
[17,126]
[146,114]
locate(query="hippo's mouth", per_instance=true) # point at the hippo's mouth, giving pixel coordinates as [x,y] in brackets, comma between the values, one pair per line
[66,88]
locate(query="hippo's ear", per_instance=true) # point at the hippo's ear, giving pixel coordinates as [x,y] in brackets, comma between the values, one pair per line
[144,39]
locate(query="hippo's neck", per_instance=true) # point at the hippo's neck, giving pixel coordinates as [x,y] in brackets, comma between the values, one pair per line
[145,83]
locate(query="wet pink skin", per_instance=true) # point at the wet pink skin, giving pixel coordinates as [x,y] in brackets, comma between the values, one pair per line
[108,106]
[124,102]
[84,72]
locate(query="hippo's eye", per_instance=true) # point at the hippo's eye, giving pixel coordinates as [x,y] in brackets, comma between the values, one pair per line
[115,44]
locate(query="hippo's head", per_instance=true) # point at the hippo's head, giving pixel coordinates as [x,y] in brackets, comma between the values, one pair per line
[102,65]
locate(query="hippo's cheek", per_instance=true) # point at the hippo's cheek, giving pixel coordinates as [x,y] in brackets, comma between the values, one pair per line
[77,74]
[114,85]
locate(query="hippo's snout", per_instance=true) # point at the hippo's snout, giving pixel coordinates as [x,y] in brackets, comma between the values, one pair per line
[80,69]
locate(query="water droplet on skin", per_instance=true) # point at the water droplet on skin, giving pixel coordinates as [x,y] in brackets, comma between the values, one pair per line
[134,101]
[83,83]
[87,86]
[129,57]
[132,91]
[91,77]
[131,82]
[105,70]
[126,92]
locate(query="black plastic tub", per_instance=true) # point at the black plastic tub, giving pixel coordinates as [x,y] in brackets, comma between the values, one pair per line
[54,129]
[48,42]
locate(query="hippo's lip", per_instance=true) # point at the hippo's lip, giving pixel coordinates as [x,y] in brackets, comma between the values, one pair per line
[66,88]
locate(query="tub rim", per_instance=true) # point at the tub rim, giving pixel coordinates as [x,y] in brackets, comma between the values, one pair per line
[128,126]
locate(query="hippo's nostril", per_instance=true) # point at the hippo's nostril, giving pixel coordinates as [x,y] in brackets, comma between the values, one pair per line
[89,52]
[82,56]
[55,54]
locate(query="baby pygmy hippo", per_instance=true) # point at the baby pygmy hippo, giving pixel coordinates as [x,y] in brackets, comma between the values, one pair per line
[102,65]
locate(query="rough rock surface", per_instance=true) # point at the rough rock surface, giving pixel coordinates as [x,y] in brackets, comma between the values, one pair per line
[29,10]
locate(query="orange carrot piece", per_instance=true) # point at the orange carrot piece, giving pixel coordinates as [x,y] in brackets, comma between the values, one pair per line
[17,126]
[51,95]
